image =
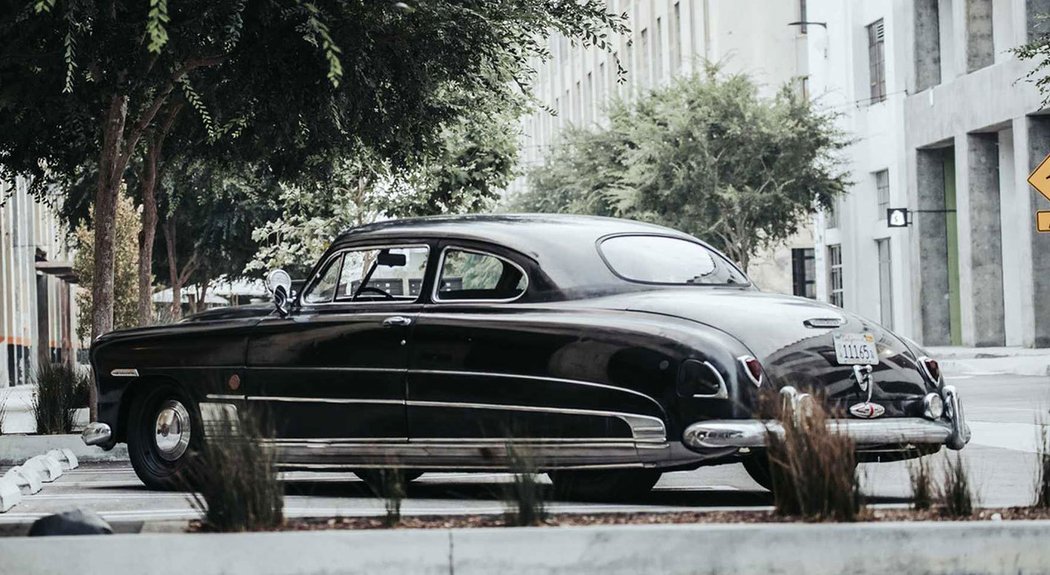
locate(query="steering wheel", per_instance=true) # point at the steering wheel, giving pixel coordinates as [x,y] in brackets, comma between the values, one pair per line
[373,289]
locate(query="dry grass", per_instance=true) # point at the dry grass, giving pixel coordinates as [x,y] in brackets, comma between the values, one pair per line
[813,470]
[389,484]
[525,495]
[235,478]
[59,390]
[921,484]
[956,493]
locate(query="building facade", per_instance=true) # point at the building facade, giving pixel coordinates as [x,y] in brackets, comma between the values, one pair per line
[946,126]
[668,38]
[37,289]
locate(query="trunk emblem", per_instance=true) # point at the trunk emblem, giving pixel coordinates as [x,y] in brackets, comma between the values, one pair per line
[862,373]
[867,410]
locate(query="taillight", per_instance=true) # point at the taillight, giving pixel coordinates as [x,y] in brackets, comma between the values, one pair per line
[753,369]
[931,368]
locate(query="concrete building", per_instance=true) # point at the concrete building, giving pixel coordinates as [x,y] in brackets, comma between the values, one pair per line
[946,126]
[37,305]
[671,37]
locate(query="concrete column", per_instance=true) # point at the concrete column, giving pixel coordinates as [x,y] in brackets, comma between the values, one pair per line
[1038,129]
[1035,23]
[931,234]
[982,285]
[980,43]
[927,36]
[1012,211]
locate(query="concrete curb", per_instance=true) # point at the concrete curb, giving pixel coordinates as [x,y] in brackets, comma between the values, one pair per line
[17,448]
[1016,547]
[1019,365]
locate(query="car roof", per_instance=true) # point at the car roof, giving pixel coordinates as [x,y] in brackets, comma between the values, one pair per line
[564,246]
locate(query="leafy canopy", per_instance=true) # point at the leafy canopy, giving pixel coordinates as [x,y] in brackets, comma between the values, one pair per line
[707,155]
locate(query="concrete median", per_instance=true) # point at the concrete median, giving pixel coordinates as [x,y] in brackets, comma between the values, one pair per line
[901,548]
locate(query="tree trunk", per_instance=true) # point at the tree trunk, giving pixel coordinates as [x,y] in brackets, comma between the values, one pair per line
[173,269]
[202,301]
[110,175]
[151,166]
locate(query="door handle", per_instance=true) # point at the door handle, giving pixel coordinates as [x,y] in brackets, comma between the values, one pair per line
[397,321]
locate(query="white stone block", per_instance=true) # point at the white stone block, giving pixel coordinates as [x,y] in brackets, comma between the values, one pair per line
[10,494]
[26,479]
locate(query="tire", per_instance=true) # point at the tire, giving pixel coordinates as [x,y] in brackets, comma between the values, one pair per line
[757,467]
[606,485]
[161,445]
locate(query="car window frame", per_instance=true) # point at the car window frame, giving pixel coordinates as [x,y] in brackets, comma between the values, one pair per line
[714,253]
[439,268]
[342,252]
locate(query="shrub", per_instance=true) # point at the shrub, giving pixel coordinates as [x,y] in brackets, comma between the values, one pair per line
[1042,472]
[813,470]
[235,477]
[387,483]
[524,495]
[955,493]
[921,483]
[59,389]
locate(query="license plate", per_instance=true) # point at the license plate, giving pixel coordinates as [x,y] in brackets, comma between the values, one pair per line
[856,349]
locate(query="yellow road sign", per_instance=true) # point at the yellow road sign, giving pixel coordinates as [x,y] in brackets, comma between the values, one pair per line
[1042,222]
[1040,177]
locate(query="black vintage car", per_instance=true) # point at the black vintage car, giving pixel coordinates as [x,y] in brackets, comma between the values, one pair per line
[609,350]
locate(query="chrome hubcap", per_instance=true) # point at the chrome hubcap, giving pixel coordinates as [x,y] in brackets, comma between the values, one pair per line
[172,433]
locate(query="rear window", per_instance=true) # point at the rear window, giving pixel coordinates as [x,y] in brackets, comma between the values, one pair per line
[667,260]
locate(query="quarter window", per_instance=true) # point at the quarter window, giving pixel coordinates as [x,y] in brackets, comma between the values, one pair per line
[389,274]
[468,275]
[667,260]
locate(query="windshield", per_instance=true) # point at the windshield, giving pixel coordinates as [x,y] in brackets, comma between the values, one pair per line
[666,260]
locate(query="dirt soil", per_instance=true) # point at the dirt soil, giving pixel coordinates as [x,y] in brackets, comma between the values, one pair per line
[573,519]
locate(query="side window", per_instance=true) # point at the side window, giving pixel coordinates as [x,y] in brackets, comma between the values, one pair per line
[467,275]
[323,290]
[387,273]
[390,274]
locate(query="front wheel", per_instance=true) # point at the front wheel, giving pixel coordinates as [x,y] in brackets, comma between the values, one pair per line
[164,429]
[605,485]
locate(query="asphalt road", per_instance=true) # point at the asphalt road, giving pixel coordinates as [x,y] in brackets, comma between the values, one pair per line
[1001,458]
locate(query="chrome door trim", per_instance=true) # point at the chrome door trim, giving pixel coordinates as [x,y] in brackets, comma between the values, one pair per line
[286,399]
[643,427]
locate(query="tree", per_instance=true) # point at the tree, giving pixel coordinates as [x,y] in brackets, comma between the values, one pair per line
[1038,51]
[706,155]
[86,84]
[465,173]
[125,301]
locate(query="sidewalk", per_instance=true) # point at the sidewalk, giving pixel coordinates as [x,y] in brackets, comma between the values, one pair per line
[991,360]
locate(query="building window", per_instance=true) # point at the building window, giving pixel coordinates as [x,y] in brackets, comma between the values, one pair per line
[877,61]
[885,283]
[588,99]
[882,193]
[802,17]
[643,60]
[835,275]
[658,51]
[804,272]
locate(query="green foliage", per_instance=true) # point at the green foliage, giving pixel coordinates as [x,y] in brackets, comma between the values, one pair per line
[1037,49]
[125,276]
[706,154]
[233,478]
[60,390]
[956,493]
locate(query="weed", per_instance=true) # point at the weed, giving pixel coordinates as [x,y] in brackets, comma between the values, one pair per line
[235,477]
[1042,481]
[58,388]
[387,483]
[813,469]
[524,495]
[921,483]
[955,493]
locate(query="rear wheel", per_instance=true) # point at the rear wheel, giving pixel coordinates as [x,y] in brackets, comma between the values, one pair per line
[605,485]
[164,429]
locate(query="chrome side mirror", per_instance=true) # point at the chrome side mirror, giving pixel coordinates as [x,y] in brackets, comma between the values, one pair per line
[280,285]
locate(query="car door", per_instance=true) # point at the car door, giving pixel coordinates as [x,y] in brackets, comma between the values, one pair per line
[332,373]
[486,366]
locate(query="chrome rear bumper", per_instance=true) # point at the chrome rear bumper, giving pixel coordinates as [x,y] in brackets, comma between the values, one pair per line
[950,430]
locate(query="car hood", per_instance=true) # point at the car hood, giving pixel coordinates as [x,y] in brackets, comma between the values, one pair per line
[774,328]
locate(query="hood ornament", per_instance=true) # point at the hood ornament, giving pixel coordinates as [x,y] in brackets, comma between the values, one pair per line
[865,409]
